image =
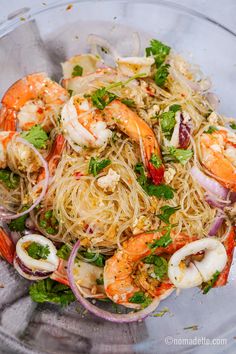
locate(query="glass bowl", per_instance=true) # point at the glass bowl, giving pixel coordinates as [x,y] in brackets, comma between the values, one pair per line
[38,40]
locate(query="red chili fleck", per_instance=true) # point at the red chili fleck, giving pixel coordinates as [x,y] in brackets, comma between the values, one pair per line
[78,175]
[40,110]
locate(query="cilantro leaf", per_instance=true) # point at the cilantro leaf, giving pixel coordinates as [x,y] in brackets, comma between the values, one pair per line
[140,298]
[177,155]
[128,102]
[175,108]
[160,265]
[99,259]
[101,98]
[158,50]
[37,251]
[167,211]
[210,130]
[96,166]
[156,161]
[10,179]
[160,191]
[36,136]
[64,252]
[142,179]
[48,290]
[233,125]
[208,285]
[163,241]
[77,71]
[168,122]
[161,75]
[18,224]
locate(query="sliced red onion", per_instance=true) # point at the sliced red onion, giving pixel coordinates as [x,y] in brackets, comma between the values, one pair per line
[184,133]
[232,197]
[216,225]
[96,41]
[213,100]
[15,236]
[212,201]
[122,318]
[44,185]
[209,184]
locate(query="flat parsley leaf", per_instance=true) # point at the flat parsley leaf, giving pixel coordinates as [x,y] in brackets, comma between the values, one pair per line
[208,285]
[77,71]
[175,108]
[37,251]
[36,136]
[161,75]
[128,102]
[158,50]
[19,223]
[160,265]
[99,259]
[167,211]
[96,166]
[48,290]
[140,298]
[101,98]
[9,179]
[168,122]
[233,125]
[177,155]
[163,241]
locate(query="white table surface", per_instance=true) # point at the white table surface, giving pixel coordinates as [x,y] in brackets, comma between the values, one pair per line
[223,11]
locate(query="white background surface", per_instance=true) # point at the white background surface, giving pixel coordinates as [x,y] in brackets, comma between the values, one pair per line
[223,11]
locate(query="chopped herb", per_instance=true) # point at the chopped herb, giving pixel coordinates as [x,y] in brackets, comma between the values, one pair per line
[19,223]
[177,155]
[70,92]
[49,223]
[77,71]
[101,98]
[158,50]
[167,211]
[159,191]
[100,281]
[193,328]
[160,265]
[209,284]
[175,108]
[163,241]
[140,298]
[156,161]
[48,290]
[99,259]
[37,251]
[96,166]
[128,102]
[161,75]
[36,136]
[233,126]
[64,252]
[210,130]
[168,122]
[161,313]
[9,179]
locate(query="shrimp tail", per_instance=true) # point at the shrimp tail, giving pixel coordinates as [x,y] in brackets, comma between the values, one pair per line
[7,247]
[229,244]
[60,274]
[7,119]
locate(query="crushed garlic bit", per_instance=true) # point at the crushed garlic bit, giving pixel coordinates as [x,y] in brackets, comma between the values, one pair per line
[110,181]
[141,224]
[169,174]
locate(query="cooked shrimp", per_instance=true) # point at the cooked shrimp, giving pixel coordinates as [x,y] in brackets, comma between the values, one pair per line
[34,99]
[86,126]
[7,247]
[16,155]
[119,273]
[219,156]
